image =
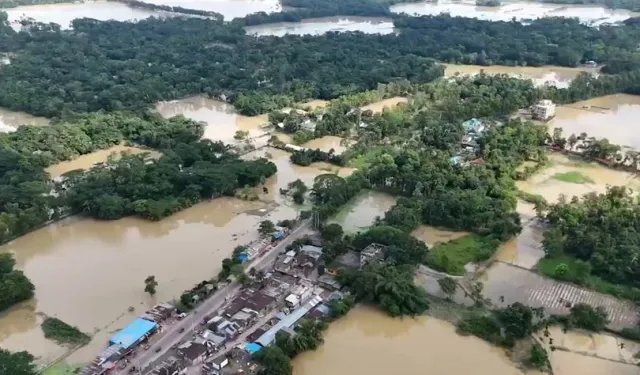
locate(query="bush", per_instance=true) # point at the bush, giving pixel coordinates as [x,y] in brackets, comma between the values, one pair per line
[538,357]
[62,333]
[486,327]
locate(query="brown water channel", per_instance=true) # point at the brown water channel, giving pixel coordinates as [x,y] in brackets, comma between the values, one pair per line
[10,120]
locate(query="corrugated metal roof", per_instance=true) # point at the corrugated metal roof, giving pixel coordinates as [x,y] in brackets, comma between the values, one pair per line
[288,321]
[133,332]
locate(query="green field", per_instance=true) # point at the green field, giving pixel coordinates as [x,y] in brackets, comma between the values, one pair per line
[450,257]
[62,368]
[573,178]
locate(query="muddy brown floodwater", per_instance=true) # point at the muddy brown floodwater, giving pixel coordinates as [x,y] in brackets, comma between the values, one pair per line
[614,117]
[367,342]
[556,75]
[228,8]
[431,235]
[10,120]
[361,212]
[317,26]
[89,160]
[379,106]
[590,14]
[221,118]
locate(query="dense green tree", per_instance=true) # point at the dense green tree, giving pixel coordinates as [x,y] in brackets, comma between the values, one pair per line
[15,287]
[448,286]
[273,361]
[20,363]
[266,228]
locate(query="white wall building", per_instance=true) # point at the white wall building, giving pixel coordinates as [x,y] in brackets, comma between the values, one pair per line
[544,110]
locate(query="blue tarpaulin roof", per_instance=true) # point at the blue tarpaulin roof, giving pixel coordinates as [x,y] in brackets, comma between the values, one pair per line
[132,333]
[253,347]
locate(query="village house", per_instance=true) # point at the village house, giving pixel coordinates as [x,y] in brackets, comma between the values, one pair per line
[544,110]
[193,353]
[171,366]
[256,301]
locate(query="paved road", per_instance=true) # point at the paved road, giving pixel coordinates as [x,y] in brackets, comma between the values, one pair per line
[172,336]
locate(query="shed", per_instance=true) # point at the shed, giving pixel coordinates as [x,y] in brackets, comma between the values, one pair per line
[292,300]
[220,362]
[132,334]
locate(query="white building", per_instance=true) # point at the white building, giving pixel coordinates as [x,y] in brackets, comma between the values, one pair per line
[544,110]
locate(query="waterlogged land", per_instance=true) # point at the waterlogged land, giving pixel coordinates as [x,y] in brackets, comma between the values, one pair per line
[521,11]
[368,342]
[319,26]
[221,118]
[361,213]
[63,14]
[89,160]
[228,8]
[614,117]
[11,120]
[557,76]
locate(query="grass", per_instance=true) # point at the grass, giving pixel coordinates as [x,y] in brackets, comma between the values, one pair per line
[531,198]
[62,333]
[573,177]
[62,368]
[363,161]
[450,257]
[547,267]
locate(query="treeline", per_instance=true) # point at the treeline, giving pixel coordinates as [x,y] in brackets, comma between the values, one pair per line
[62,333]
[17,3]
[26,152]
[602,231]
[170,9]
[133,65]
[308,156]
[15,287]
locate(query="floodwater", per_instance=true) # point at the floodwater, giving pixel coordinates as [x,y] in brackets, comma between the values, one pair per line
[557,76]
[613,117]
[88,273]
[329,142]
[367,342]
[10,120]
[228,8]
[566,363]
[318,26]
[431,235]
[361,212]
[89,160]
[379,106]
[544,183]
[221,118]
[526,249]
[593,15]
[63,14]
[601,345]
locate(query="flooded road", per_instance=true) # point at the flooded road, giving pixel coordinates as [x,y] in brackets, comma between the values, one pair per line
[89,160]
[11,120]
[367,342]
[63,14]
[318,26]
[557,76]
[362,211]
[613,117]
[221,118]
[594,15]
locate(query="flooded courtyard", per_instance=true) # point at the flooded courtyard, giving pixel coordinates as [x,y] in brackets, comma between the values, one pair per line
[557,76]
[589,14]
[318,26]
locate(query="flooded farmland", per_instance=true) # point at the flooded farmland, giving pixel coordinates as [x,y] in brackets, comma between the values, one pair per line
[432,236]
[590,14]
[328,142]
[221,118]
[89,160]
[549,182]
[361,212]
[379,106]
[63,14]
[319,26]
[228,8]
[613,117]
[11,120]
[557,76]
[368,342]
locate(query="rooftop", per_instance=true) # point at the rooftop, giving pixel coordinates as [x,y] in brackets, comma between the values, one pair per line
[351,259]
[289,320]
[132,333]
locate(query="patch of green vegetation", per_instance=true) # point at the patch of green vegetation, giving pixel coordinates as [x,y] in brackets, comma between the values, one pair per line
[573,177]
[62,368]
[570,269]
[62,333]
[362,161]
[531,198]
[450,257]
